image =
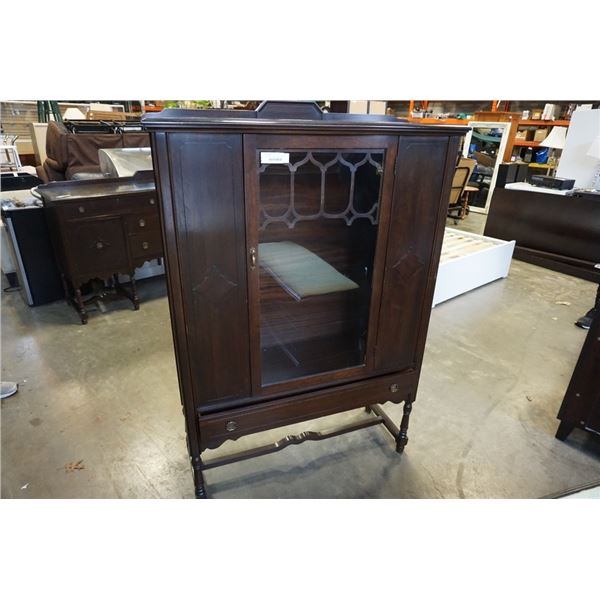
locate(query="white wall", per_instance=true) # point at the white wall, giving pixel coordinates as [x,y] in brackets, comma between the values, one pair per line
[574,162]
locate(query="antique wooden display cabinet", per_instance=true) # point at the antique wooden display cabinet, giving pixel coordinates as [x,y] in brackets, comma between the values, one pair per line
[301,252]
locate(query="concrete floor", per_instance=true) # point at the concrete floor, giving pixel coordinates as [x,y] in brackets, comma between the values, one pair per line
[497,363]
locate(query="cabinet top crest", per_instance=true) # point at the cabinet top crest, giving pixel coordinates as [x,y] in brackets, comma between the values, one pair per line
[290,117]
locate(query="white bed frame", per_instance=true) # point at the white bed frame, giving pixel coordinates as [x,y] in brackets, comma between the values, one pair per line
[469,261]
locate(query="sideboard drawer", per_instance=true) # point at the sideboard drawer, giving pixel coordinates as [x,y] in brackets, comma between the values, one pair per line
[143,202]
[142,222]
[146,245]
[89,208]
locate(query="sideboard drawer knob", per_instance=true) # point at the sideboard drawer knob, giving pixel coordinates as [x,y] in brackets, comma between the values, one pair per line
[152,201]
[231,426]
[145,245]
[142,223]
[81,209]
[394,388]
[99,245]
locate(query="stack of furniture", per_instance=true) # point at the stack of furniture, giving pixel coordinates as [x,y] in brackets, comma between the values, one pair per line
[302,250]
[70,154]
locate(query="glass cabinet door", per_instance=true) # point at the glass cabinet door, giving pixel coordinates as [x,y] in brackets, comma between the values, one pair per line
[316,214]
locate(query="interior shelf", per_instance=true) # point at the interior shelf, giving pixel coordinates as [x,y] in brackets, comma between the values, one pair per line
[300,272]
[281,362]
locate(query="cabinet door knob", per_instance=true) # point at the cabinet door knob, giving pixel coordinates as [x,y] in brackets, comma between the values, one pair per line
[99,245]
[142,223]
[145,245]
[252,258]
[231,426]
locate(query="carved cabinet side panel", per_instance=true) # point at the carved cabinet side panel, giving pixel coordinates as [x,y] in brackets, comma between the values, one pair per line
[208,198]
[412,242]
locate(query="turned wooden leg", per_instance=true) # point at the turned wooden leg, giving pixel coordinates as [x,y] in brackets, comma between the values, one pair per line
[65,287]
[402,438]
[199,486]
[80,306]
[463,209]
[136,300]
[563,431]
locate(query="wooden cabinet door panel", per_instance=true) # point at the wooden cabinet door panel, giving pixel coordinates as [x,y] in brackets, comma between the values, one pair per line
[316,215]
[208,203]
[97,245]
[421,190]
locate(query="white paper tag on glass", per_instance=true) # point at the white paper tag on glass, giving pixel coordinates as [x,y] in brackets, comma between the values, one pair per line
[274,158]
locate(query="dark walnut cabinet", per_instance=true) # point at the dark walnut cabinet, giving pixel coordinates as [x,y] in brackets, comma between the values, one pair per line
[301,252]
[101,228]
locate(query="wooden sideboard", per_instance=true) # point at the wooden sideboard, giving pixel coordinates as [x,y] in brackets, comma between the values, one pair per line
[102,228]
[301,252]
[551,230]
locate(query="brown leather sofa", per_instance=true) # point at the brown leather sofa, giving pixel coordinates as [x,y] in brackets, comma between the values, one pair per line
[75,155]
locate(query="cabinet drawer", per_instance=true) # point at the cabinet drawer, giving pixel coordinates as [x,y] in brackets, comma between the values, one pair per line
[218,427]
[138,202]
[89,208]
[147,244]
[142,222]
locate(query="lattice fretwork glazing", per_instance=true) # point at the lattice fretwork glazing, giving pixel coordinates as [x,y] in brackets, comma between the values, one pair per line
[339,195]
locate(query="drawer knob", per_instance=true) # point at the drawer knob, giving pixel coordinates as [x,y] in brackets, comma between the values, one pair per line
[142,223]
[145,245]
[81,209]
[394,388]
[152,201]
[99,245]
[231,426]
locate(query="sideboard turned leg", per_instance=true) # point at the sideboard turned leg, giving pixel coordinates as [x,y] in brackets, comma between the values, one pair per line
[402,438]
[80,306]
[136,300]
[66,288]
[199,487]
[564,430]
